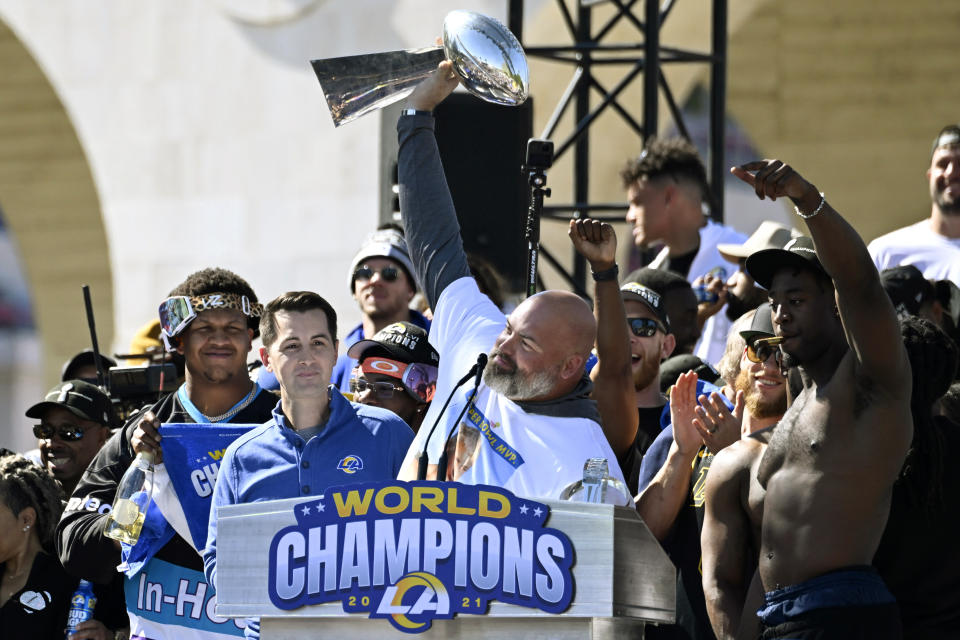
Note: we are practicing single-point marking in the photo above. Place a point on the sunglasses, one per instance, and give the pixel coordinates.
(67, 432)
(383, 390)
(178, 312)
(645, 327)
(762, 349)
(387, 273)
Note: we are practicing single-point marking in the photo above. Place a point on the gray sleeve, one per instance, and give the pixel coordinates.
(429, 220)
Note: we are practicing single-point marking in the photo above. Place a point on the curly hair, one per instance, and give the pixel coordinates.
(933, 360)
(217, 280)
(25, 484)
(214, 280)
(674, 158)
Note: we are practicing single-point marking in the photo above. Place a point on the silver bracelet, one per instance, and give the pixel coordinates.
(807, 216)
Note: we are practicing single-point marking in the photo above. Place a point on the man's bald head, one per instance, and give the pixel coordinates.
(541, 353)
(570, 317)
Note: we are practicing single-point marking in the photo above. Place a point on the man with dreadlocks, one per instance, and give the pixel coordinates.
(916, 556)
(35, 591)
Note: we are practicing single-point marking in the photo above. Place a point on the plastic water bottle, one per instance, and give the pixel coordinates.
(133, 497)
(81, 606)
(597, 486)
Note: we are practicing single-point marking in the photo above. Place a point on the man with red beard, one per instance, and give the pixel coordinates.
(627, 376)
(733, 498)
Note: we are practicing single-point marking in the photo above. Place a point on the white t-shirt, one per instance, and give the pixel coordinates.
(937, 256)
(499, 443)
(713, 338)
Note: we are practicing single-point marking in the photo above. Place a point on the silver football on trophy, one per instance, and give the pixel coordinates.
(487, 57)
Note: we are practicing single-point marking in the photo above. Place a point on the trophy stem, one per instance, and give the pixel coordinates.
(356, 85)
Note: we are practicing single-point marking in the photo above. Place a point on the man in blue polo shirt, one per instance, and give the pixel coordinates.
(317, 438)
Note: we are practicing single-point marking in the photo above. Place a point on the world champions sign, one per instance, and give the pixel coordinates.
(413, 552)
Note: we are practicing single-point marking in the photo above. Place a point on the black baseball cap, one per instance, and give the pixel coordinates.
(672, 367)
(402, 341)
(83, 359)
(907, 288)
(82, 399)
(798, 253)
(649, 297)
(761, 326)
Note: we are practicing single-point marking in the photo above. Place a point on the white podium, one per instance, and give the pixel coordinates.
(622, 580)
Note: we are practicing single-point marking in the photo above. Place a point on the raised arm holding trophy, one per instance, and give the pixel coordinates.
(531, 424)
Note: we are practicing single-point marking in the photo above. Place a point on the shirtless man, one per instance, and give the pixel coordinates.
(733, 497)
(830, 465)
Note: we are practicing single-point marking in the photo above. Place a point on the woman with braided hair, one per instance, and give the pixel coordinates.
(916, 557)
(35, 591)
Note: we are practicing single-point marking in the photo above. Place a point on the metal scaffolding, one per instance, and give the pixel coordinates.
(647, 58)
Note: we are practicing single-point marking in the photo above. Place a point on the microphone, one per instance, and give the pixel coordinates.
(479, 367)
(476, 371)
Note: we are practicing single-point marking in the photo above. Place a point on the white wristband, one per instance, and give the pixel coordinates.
(807, 216)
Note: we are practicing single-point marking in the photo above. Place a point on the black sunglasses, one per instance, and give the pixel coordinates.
(645, 327)
(762, 349)
(67, 432)
(387, 273)
(382, 390)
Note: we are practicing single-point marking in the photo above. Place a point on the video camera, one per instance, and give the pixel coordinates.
(132, 388)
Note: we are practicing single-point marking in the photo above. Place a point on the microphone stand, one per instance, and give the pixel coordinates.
(476, 370)
(442, 463)
(539, 158)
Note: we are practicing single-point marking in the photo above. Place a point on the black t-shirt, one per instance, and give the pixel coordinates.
(682, 544)
(39, 610)
(83, 549)
(647, 431)
(681, 264)
(917, 557)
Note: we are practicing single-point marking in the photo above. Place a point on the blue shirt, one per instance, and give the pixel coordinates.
(358, 443)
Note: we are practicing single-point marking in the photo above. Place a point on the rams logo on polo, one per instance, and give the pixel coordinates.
(350, 465)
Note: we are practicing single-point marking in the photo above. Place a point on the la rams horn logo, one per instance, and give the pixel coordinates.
(350, 464)
(428, 599)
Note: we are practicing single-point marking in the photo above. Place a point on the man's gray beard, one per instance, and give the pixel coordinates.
(517, 386)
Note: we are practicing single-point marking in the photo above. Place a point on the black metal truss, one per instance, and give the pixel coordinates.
(647, 58)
